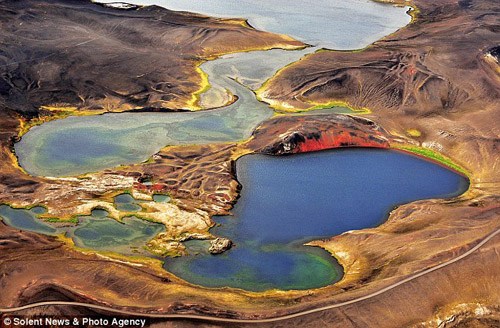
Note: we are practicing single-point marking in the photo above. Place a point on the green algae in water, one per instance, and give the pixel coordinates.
(127, 203)
(105, 234)
(37, 210)
(128, 207)
(161, 198)
(197, 247)
(96, 232)
(283, 267)
(99, 213)
(25, 220)
(124, 199)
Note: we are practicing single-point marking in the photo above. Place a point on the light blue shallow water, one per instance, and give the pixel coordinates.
(333, 24)
(78, 145)
(25, 220)
(82, 144)
(95, 232)
(286, 201)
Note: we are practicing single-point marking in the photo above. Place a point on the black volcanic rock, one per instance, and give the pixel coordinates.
(92, 56)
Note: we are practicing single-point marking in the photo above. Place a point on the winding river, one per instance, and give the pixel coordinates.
(78, 145)
(285, 201)
(82, 144)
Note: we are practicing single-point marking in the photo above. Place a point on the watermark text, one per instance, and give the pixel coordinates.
(13, 321)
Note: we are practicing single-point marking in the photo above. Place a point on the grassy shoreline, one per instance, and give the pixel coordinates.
(433, 156)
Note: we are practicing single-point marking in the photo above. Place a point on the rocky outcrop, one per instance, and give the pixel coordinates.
(219, 245)
(299, 134)
(163, 246)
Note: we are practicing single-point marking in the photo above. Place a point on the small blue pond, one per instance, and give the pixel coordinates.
(286, 201)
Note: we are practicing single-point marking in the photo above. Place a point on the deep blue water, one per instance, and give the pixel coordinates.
(286, 201)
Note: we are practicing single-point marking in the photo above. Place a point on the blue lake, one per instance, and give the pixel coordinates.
(287, 201)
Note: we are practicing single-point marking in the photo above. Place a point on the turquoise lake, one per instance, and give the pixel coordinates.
(94, 232)
(83, 144)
